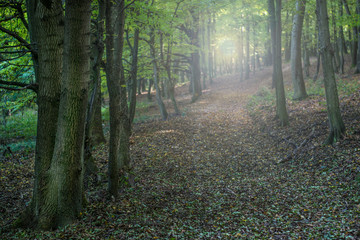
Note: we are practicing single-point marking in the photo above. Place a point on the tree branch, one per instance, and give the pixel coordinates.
(23, 86)
(17, 37)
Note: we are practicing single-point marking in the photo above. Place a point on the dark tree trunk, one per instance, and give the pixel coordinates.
(358, 40)
(337, 127)
(47, 35)
(64, 190)
(296, 66)
(120, 128)
(95, 133)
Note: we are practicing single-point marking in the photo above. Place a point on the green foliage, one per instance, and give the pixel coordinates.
(20, 126)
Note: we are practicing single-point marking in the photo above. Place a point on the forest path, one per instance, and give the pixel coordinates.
(214, 166)
(213, 173)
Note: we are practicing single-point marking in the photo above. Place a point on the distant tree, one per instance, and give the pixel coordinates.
(275, 25)
(337, 127)
(296, 66)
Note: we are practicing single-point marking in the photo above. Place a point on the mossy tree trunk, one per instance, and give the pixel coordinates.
(46, 27)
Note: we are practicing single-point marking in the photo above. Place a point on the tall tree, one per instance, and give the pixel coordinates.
(337, 127)
(47, 35)
(358, 40)
(275, 25)
(296, 66)
(120, 129)
(57, 199)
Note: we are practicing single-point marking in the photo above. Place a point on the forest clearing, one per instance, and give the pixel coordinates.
(181, 119)
(214, 173)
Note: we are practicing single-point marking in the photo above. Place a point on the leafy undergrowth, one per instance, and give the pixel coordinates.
(215, 173)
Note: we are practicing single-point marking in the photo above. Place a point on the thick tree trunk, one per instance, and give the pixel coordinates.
(47, 34)
(64, 189)
(337, 127)
(296, 66)
(275, 24)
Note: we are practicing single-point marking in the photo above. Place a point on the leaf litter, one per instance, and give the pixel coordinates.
(223, 170)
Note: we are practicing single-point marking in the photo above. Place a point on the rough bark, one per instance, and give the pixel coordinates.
(46, 27)
(64, 189)
(296, 66)
(337, 127)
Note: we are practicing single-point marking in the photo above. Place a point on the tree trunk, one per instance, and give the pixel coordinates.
(275, 24)
(46, 34)
(209, 40)
(354, 43)
(164, 114)
(296, 66)
(341, 41)
(96, 133)
(133, 73)
(203, 53)
(120, 129)
(306, 47)
(241, 53)
(195, 58)
(247, 47)
(64, 189)
(358, 41)
(337, 127)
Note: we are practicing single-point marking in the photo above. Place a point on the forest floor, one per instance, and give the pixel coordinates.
(225, 169)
